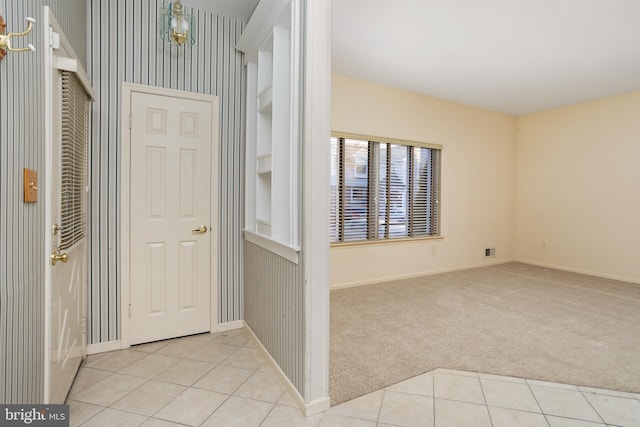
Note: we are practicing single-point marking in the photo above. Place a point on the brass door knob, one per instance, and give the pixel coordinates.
(57, 256)
(201, 230)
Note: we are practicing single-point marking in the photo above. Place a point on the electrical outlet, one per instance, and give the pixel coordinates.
(490, 252)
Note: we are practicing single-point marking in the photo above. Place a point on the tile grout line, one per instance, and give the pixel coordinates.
(433, 392)
(192, 386)
(186, 387)
(96, 414)
(267, 416)
(384, 393)
(465, 374)
(127, 394)
(537, 402)
(182, 358)
(254, 371)
(484, 397)
(593, 407)
(561, 416)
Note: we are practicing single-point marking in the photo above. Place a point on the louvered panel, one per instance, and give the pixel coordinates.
(436, 187)
(422, 189)
(333, 192)
(355, 193)
(73, 164)
(380, 178)
(399, 190)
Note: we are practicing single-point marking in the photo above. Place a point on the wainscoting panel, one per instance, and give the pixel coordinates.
(125, 47)
(22, 226)
(274, 302)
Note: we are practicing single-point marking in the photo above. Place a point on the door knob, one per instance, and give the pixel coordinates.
(57, 256)
(201, 230)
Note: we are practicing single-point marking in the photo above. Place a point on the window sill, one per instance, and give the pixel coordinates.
(384, 241)
(285, 251)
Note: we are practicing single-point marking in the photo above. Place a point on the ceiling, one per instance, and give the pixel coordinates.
(515, 57)
(238, 9)
(512, 56)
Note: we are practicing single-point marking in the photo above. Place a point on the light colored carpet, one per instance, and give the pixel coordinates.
(511, 319)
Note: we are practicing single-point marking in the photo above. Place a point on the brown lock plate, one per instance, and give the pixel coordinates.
(30, 186)
(3, 30)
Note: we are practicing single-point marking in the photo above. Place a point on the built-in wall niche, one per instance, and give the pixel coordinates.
(272, 138)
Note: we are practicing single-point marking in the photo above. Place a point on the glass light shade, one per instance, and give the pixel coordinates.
(176, 23)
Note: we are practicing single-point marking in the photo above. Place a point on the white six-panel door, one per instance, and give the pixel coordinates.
(170, 211)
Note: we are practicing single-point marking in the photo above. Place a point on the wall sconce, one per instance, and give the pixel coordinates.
(5, 39)
(176, 24)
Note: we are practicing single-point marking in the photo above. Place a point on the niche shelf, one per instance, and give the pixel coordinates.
(271, 209)
(265, 100)
(263, 164)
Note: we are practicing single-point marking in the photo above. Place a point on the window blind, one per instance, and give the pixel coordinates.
(73, 160)
(383, 190)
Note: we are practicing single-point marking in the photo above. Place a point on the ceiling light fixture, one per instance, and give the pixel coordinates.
(176, 24)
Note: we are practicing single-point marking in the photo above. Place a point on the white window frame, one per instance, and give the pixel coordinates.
(372, 234)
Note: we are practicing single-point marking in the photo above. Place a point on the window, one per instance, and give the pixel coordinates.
(360, 169)
(74, 133)
(383, 190)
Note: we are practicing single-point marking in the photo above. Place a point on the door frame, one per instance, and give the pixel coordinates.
(125, 175)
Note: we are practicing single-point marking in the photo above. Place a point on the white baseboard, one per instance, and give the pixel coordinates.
(307, 409)
(317, 406)
(103, 347)
(420, 274)
(228, 326)
(580, 271)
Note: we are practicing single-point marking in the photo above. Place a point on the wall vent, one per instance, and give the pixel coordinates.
(490, 252)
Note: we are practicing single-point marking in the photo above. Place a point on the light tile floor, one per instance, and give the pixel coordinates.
(224, 380)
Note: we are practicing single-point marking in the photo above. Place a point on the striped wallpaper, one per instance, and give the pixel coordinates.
(117, 43)
(274, 308)
(125, 47)
(22, 227)
(274, 286)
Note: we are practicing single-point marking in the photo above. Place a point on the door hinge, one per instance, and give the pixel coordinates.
(130, 122)
(54, 39)
(129, 311)
(84, 337)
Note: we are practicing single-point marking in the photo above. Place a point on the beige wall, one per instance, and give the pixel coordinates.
(578, 188)
(478, 180)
